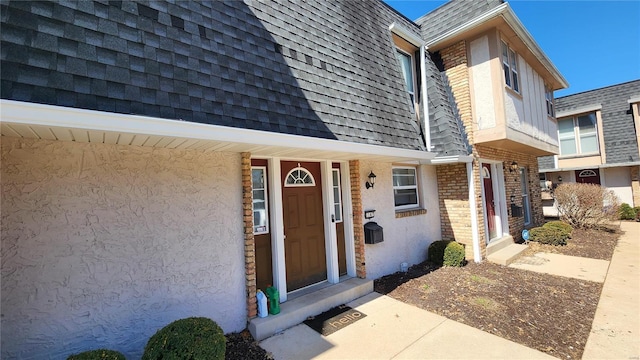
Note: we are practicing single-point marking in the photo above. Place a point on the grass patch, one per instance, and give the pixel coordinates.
(485, 303)
(481, 279)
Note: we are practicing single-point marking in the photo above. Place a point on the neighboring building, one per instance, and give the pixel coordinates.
(503, 84)
(599, 133)
(164, 160)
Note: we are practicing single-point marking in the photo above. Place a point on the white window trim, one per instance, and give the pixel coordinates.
(266, 199)
(408, 206)
(338, 201)
(576, 136)
(526, 204)
(510, 82)
(413, 77)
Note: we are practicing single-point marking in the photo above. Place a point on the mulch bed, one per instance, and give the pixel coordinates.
(550, 313)
(242, 346)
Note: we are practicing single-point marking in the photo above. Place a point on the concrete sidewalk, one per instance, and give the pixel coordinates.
(395, 330)
(615, 333)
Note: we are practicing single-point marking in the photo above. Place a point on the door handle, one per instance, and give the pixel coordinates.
(333, 218)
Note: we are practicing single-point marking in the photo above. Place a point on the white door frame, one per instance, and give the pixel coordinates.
(331, 239)
(499, 197)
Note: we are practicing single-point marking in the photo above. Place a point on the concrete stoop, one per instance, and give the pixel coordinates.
(504, 251)
(295, 311)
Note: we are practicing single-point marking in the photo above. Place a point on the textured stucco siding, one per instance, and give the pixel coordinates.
(482, 83)
(102, 245)
(405, 239)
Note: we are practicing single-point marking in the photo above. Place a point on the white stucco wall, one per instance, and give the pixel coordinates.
(484, 111)
(618, 180)
(102, 245)
(405, 239)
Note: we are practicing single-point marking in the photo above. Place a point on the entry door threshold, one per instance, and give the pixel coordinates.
(296, 310)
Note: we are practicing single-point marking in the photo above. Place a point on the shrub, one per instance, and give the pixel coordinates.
(190, 338)
(446, 252)
(560, 226)
(626, 212)
(100, 354)
(586, 205)
(453, 254)
(548, 235)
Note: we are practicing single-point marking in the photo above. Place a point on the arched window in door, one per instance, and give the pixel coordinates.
(299, 176)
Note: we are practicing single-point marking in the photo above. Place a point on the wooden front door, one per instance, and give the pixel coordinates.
(489, 201)
(305, 254)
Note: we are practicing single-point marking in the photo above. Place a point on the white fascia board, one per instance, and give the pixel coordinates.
(452, 159)
(510, 17)
(601, 166)
(406, 34)
(58, 116)
(580, 110)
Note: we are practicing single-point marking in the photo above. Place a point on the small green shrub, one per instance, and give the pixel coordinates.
(563, 227)
(626, 212)
(190, 338)
(454, 254)
(446, 252)
(548, 235)
(100, 354)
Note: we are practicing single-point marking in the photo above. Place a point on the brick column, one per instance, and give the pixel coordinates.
(249, 242)
(358, 227)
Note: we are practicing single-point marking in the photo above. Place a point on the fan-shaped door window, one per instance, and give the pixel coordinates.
(587, 173)
(299, 176)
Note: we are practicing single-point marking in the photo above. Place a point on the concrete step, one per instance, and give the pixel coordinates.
(507, 255)
(295, 311)
(499, 244)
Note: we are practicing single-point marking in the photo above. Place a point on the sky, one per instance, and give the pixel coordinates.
(592, 43)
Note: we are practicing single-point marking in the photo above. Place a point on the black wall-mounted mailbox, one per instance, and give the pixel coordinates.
(372, 233)
(516, 211)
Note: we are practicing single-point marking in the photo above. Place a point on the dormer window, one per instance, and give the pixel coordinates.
(510, 67)
(407, 64)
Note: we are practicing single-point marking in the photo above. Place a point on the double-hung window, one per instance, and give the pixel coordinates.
(548, 96)
(510, 67)
(406, 63)
(405, 188)
(578, 135)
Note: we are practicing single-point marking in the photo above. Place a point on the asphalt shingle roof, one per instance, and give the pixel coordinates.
(451, 15)
(618, 127)
(320, 69)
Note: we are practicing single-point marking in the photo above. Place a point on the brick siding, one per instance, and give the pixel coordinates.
(249, 242)
(635, 185)
(358, 227)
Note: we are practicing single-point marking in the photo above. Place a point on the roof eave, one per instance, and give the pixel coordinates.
(512, 20)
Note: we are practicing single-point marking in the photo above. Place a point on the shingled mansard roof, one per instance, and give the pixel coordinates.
(620, 141)
(319, 69)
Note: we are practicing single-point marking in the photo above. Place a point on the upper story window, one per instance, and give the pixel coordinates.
(548, 95)
(510, 67)
(578, 135)
(407, 64)
(405, 188)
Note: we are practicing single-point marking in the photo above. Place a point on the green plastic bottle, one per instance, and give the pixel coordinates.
(274, 300)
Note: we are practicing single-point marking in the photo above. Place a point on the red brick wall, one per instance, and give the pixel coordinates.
(358, 227)
(249, 243)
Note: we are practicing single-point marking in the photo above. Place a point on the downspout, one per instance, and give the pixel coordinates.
(425, 98)
(477, 257)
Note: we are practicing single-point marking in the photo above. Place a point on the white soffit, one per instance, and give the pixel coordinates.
(406, 34)
(30, 120)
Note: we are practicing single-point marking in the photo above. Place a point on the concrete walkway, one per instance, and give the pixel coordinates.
(615, 333)
(395, 330)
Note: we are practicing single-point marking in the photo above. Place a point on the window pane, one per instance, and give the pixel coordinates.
(336, 209)
(567, 146)
(257, 178)
(587, 124)
(404, 177)
(516, 87)
(512, 56)
(505, 53)
(406, 197)
(507, 75)
(407, 71)
(565, 127)
(588, 144)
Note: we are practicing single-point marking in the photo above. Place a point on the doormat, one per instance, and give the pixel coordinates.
(334, 319)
